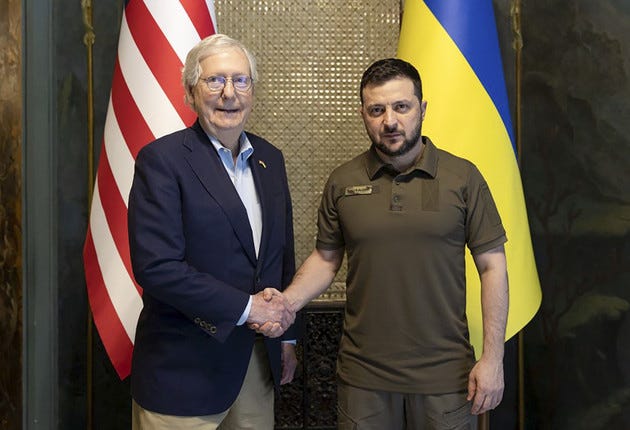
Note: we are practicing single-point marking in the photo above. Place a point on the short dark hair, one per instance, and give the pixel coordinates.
(387, 69)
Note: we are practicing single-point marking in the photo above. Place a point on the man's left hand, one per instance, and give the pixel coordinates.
(485, 385)
(289, 362)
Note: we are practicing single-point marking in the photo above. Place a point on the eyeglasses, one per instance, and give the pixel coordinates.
(241, 83)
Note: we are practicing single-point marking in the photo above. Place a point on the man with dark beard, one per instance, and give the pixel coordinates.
(404, 211)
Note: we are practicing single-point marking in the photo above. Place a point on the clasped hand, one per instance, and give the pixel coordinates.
(271, 313)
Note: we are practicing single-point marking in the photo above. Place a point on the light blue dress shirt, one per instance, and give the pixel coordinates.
(241, 175)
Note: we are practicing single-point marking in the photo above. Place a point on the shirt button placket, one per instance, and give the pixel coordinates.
(396, 198)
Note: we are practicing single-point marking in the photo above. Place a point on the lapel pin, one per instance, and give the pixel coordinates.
(262, 163)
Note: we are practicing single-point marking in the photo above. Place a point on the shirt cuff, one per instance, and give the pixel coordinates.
(245, 314)
(291, 341)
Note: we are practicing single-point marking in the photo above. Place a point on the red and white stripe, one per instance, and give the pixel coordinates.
(146, 102)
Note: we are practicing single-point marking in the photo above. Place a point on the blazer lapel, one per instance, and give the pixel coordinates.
(207, 166)
(261, 173)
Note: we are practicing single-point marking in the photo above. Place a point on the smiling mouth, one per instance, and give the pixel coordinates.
(229, 110)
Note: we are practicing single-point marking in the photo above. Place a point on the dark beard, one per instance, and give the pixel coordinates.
(407, 146)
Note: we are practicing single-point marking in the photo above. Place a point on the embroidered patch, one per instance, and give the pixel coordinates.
(357, 190)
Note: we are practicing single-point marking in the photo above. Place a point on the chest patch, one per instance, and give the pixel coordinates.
(360, 190)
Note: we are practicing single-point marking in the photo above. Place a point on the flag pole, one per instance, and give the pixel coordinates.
(484, 421)
(88, 41)
(517, 44)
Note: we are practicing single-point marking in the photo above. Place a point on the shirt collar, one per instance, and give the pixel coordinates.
(245, 147)
(427, 162)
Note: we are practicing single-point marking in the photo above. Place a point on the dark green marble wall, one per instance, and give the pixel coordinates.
(577, 181)
(110, 396)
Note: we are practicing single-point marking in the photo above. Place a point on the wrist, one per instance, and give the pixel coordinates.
(292, 298)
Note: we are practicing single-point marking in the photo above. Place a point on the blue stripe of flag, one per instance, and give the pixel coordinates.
(471, 24)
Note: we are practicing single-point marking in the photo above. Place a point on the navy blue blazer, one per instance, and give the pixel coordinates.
(193, 254)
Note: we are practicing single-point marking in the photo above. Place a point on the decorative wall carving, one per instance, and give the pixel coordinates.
(310, 401)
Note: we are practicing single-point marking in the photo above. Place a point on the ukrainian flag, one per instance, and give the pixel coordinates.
(454, 45)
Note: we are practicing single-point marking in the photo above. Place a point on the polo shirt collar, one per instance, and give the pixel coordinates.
(427, 163)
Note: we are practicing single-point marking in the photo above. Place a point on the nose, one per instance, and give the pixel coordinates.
(228, 89)
(389, 119)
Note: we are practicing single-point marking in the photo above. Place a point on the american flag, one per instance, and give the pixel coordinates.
(146, 102)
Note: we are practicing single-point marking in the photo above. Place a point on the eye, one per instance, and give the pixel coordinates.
(242, 83)
(215, 83)
(241, 80)
(375, 110)
(215, 80)
(402, 107)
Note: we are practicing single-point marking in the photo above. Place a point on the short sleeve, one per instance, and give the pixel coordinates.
(329, 233)
(484, 229)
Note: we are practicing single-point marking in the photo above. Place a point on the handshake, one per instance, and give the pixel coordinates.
(271, 313)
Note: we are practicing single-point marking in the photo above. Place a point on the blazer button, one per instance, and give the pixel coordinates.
(213, 329)
(197, 320)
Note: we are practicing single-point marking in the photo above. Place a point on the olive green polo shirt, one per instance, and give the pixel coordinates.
(405, 234)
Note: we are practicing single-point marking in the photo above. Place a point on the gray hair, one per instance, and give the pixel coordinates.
(212, 45)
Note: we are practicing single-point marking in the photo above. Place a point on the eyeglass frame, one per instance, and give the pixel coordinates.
(224, 80)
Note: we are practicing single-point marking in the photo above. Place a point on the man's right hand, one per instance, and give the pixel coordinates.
(270, 306)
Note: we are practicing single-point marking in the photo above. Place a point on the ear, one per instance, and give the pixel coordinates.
(189, 98)
(423, 109)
